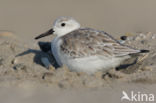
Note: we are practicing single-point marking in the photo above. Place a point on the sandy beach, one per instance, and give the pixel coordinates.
(23, 78)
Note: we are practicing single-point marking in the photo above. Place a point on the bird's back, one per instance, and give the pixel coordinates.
(86, 42)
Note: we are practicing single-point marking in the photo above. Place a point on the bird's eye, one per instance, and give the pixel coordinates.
(63, 24)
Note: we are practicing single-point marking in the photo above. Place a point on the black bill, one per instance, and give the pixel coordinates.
(49, 32)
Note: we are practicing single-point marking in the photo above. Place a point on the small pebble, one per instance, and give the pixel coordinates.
(144, 41)
(154, 36)
(47, 75)
(137, 38)
(20, 67)
(123, 37)
(14, 61)
(142, 35)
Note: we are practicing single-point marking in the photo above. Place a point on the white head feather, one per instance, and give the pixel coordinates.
(64, 25)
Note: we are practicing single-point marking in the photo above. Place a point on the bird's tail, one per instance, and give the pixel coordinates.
(144, 51)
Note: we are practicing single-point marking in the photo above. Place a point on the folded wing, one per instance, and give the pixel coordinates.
(89, 42)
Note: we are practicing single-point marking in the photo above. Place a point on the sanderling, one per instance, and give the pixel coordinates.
(85, 49)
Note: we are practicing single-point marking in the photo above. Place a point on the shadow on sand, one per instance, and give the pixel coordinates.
(44, 52)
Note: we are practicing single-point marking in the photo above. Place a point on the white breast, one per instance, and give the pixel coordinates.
(55, 46)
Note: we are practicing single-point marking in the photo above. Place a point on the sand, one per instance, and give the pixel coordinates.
(23, 75)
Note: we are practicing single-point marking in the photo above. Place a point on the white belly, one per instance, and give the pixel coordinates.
(92, 64)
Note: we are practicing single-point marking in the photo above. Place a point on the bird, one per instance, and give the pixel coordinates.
(84, 49)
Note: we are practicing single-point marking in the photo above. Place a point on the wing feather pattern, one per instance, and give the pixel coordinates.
(89, 42)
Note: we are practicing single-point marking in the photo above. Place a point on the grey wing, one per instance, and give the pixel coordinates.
(122, 50)
(88, 42)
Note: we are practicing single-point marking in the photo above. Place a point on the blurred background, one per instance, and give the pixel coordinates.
(28, 18)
